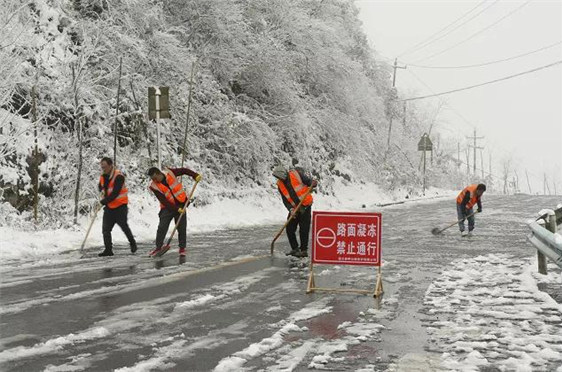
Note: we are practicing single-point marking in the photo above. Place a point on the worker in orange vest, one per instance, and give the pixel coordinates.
(169, 191)
(466, 200)
(115, 199)
(293, 185)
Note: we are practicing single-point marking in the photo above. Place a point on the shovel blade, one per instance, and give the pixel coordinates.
(435, 231)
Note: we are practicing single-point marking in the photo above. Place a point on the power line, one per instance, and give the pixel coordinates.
(428, 40)
(456, 112)
(444, 102)
(485, 83)
(476, 33)
(491, 62)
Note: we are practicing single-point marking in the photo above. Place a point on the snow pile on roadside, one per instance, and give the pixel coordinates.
(487, 312)
(53, 344)
(253, 208)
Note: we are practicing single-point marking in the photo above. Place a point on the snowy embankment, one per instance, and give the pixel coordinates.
(488, 312)
(253, 208)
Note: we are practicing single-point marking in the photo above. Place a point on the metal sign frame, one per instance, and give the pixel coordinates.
(425, 143)
(162, 107)
(325, 238)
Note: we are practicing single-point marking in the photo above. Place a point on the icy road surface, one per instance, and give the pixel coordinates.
(450, 303)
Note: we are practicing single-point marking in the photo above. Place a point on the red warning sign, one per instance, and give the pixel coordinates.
(346, 238)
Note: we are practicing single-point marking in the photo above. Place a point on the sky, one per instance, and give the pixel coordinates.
(520, 118)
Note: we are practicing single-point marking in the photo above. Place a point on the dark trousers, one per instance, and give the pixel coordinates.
(461, 215)
(302, 220)
(110, 218)
(166, 216)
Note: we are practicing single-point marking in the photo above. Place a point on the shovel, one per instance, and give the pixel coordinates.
(295, 211)
(437, 231)
(98, 207)
(166, 247)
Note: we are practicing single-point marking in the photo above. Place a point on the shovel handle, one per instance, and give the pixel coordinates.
(456, 222)
(293, 214)
(181, 215)
(98, 207)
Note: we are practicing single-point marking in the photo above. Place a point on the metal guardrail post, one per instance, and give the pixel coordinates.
(545, 239)
(542, 262)
(550, 226)
(541, 258)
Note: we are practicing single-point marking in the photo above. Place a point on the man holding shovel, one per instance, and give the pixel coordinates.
(114, 192)
(293, 185)
(467, 198)
(173, 199)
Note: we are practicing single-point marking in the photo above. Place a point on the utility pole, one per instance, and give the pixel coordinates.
(528, 183)
(117, 115)
(35, 156)
(546, 187)
(458, 156)
(394, 74)
(157, 95)
(475, 147)
(393, 86)
(424, 185)
(482, 163)
(467, 164)
(459, 162)
(183, 151)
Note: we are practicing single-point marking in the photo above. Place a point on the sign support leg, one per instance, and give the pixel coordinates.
(378, 286)
(311, 285)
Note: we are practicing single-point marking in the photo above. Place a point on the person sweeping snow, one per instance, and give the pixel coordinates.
(115, 200)
(466, 200)
(294, 186)
(173, 199)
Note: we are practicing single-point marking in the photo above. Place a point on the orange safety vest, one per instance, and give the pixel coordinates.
(299, 187)
(122, 198)
(173, 192)
(473, 197)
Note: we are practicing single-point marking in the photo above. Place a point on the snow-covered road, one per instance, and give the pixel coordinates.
(450, 303)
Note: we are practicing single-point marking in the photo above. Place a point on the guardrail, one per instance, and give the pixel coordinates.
(545, 238)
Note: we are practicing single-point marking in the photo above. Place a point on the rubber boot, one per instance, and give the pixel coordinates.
(303, 253)
(105, 253)
(293, 252)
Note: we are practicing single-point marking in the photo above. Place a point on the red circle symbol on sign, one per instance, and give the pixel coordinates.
(326, 237)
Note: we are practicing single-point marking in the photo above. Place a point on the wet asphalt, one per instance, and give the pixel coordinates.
(138, 299)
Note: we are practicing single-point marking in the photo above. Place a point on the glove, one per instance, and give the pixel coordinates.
(479, 210)
(181, 210)
(103, 202)
(198, 178)
(314, 184)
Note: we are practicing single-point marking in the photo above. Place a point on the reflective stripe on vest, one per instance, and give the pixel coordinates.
(173, 192)
(122, 198)
(299, 187)
(473, 197)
